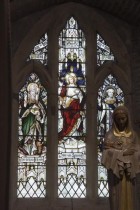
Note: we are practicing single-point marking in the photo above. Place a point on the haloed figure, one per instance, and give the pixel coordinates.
(32, 115)
(70, 101)
(121, 157)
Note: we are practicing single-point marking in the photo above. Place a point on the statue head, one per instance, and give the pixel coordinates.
(121, 120)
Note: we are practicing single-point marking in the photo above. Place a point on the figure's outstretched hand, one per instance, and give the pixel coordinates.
(128, 152)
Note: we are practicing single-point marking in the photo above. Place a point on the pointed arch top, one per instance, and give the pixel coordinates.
(96, 19)
(112, 68)
(72, 42)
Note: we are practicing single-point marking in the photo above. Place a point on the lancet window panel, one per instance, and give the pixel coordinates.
(72, 112)
(40, 51)
(32, 139)
(110, 95)
(104, 52)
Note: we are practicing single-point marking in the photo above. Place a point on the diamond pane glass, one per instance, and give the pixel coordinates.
(32, 133)
(71, 112)
(110, 96)
(40, 51)
(103, 51)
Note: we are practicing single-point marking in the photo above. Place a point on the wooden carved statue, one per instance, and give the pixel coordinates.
(121, 158)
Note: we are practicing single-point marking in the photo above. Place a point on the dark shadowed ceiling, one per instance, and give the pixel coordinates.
(127, 10)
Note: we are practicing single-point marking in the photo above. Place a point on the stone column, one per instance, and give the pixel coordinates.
(5, 97)
(136, 93)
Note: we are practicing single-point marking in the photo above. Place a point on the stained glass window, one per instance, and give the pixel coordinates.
(110, 96)
(103, 51)
(32, 139)
(40, 51)
(71, 112)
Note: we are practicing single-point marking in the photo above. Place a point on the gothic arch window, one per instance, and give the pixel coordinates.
(110, 95)
(71, 117)
(66, 85)
(32, 139)
(72, 112)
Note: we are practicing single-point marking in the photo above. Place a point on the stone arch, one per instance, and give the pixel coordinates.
(122, 78)
(89, 19)
(112, 68)
(32, 66)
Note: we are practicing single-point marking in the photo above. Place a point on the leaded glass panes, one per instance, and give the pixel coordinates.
(103, 51)
(71, 112)
(110, 96)
(32, 132)
(40, 51)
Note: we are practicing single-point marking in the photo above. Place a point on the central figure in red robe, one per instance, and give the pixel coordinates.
(70, 101)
